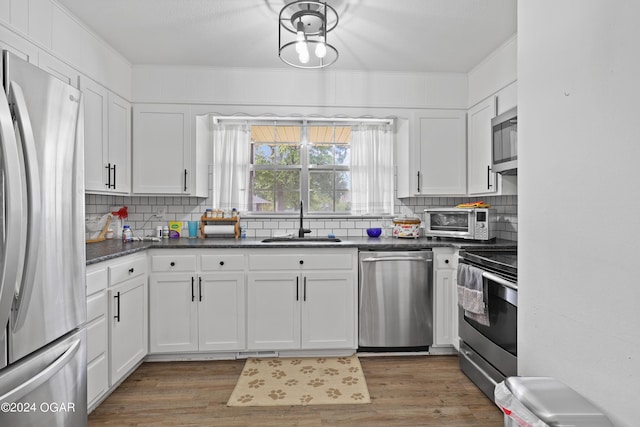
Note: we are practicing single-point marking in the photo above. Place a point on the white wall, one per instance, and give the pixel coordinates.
(292, 87)
(579, 196)
(495, 72)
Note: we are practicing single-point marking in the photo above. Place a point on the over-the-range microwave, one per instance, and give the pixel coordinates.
(504, 142)
(461, 223)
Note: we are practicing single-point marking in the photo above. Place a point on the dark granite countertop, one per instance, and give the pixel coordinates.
(109, 249)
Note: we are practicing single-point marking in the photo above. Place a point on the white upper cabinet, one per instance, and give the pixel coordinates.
(107, 139)
(164, 151)
(481, 178)
(161, 147)
(18, 46)
(59, 69)
(432, 161)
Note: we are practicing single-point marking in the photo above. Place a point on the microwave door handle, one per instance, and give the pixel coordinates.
(13, 230)
(23, 296)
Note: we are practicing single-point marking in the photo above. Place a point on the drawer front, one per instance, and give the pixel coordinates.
(96, 339)
(126, 270)
(173, 263)
(221, 262)
(97, 280)
(97, 378)
(96, 306)
(303, 261)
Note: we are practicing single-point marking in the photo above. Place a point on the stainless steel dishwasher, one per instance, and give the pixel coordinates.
(395, 300)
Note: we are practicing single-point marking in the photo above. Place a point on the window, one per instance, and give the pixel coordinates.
(290, 163)
(332, 166)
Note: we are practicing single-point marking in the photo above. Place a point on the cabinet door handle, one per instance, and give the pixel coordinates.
(301, 261)
(117, 298)
(185, 180)
(221, 262)
(418, 181)
(200, 288)
(193, 294)
(489, 185)
(446, 261)
(114, 176)
(304, 289)
(297, 289)
(108, 168)
(172, 264)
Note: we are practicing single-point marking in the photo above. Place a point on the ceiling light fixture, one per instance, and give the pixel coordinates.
(309, 21)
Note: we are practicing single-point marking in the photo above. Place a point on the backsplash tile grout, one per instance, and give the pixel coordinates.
(142, 208)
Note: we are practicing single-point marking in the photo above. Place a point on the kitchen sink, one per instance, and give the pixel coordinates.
(300, 239)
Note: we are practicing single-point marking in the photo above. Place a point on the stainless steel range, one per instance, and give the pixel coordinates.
(489, 353)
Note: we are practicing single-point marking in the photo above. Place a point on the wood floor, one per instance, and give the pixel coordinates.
(405, 391)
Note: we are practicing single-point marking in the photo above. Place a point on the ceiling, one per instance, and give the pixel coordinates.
(372, 35)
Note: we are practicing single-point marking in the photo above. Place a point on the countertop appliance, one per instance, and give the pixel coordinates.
(504, 142)
(461, 223)
(42, 287)
(396, 300)
(489, 353)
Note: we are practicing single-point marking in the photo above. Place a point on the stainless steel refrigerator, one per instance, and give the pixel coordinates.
(42, 253)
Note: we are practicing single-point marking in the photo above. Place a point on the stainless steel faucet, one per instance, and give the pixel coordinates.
(302, 231)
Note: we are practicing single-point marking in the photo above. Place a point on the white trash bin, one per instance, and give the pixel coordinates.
(545, 402)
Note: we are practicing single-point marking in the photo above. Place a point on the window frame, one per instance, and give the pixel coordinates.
(305, 168)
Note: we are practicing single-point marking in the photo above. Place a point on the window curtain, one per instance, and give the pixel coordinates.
(231, 157)
(372, 169)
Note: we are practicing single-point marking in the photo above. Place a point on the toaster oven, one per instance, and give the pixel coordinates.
(461, 223)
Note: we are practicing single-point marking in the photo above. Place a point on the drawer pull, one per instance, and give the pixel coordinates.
(221, 262)
(173, 264)
(446, 261)
(301, 262)
(131, 270)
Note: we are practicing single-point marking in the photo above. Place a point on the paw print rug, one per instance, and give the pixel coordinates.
(300, 381)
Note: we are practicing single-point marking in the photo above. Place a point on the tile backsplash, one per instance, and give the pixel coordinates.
(142, 209)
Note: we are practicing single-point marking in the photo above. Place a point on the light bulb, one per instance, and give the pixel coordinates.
(321, 48)
(304, 56)
(301, 46)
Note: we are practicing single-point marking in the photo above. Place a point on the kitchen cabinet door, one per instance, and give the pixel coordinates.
(119, 140)
(273, 311)
(128, 326)
(328, 310)
(221, 313)
(438, 153)
(482, 179)
(161, 149)
(173, 313)
(107, 141)
(96, 149)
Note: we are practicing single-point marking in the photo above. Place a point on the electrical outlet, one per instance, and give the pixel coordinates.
(160, 211)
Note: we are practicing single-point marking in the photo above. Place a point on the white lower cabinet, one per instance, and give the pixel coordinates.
(128, 324)
(97, 334)
(445, 319)
(302, 300)
(197, 302)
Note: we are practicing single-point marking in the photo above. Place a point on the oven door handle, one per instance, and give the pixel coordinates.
(499, 280)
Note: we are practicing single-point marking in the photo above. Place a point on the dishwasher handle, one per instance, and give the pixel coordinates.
(396, 258)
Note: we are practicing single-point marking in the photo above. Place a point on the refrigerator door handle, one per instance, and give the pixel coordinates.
(34, 211)
(43, 376)
(10, 156)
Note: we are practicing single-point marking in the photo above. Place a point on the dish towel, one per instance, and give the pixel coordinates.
(471, 293)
